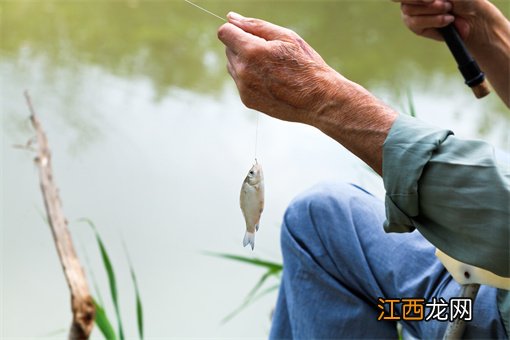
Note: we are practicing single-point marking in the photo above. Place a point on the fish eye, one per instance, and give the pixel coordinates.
(251, 172)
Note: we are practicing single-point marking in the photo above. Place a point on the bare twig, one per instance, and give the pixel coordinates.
(27, 146)
(81, 301)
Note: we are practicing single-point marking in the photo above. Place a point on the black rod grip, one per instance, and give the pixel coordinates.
(466, 63)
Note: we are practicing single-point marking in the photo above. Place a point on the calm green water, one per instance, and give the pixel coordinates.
(151, 141)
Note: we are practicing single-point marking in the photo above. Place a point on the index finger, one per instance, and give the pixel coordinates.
(260, 28)
(236, 39)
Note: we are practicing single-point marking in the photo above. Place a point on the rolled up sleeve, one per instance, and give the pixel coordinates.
(451, 190)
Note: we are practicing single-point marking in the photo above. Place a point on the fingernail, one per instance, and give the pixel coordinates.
(449, 19)
(448, 6)
(235, 16)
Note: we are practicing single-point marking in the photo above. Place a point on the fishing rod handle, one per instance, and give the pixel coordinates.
(468, 67)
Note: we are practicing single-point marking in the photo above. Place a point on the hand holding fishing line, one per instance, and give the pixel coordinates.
(276, 71)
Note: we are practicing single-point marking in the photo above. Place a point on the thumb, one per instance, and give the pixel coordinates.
(260, 28)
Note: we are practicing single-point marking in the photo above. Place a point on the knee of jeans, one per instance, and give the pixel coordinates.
(311, 216)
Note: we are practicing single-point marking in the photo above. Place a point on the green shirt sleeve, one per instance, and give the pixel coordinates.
(451, 190)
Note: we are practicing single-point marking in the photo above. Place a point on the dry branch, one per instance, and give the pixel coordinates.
(81, 302)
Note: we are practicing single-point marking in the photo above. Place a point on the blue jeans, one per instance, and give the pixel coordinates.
(338, 261)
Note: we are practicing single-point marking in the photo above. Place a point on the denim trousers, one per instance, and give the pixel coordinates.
(338, 261)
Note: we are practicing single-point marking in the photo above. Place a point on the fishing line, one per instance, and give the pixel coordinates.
(252, 190)
(203, 9)
(258, 113)
(256, 136)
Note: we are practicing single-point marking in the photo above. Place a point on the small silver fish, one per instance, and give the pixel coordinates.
(252, 202)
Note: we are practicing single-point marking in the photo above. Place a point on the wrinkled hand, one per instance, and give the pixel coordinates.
(276, 71)
(423, 17)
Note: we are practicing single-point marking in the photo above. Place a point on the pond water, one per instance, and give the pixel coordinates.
(151, 142)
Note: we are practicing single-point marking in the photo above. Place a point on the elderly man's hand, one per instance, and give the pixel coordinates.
(279, 74)
(276, 71)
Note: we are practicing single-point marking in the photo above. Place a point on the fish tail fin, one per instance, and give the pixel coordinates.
(249, 238)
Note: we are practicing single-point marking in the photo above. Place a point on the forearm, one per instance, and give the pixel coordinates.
(492, 50)
(357, 120)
